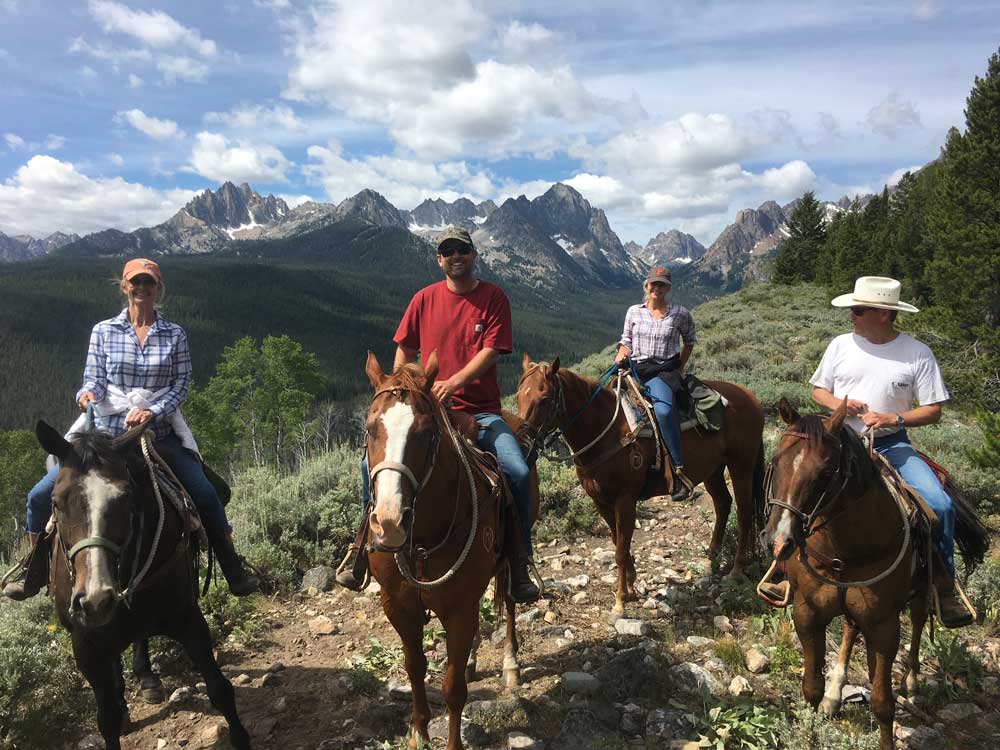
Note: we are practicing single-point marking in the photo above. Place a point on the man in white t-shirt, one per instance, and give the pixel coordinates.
(891, 382)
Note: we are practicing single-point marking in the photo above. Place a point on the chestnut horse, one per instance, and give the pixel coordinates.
(123, 568)
(860, 559)
(617, 476)
(436, 529)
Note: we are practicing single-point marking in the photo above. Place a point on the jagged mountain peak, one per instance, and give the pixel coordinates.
(370, 206)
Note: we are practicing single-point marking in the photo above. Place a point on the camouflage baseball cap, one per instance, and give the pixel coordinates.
(454, 233)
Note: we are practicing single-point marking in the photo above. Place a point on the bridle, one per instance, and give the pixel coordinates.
(405, 471)
(408, 550)
(845, 469)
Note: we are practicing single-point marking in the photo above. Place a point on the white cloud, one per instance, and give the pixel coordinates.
(88, 72)
(893, 115)
(295, 200)
(256, 116)
(788, 181)
(521, 40)
(75, 202)
(893, 179)
(54, 142)
(602, 191)
(116, 159)
(408, 65)
(925, 10)
(115, 57)
(213, 157)
(134, 81)
(181, 68)
(404, 182)
(15, 142)
(10, 6)
(155, 28)
(274, 5)
(155, 128)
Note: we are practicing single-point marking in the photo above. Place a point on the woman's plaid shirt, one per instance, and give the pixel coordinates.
(649, 338)
(115, 358)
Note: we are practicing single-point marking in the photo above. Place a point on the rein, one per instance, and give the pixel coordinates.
(806, 521)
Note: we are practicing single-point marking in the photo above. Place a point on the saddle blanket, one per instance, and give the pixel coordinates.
(700, 406)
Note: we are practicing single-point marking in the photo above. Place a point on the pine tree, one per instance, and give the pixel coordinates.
(964, 229)
(796, 259)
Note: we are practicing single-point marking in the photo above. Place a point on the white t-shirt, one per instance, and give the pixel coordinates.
(888, 377)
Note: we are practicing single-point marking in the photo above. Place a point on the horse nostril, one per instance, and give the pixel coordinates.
(376, 526)
(76, 603)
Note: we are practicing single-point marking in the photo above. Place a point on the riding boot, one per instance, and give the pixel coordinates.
(522, 589)
(36, 572)
(683, 487)
(952, 607)
(240, 581)
(353, 571)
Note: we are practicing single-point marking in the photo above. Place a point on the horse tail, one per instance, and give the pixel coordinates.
(501, 587)
(759, 498)
(971, 536)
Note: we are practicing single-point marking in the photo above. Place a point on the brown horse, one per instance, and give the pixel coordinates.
(123, 568)
(618, 476)
(437, 527)
(826, 489)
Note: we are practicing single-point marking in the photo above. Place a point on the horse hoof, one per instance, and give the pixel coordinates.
(512, 678)
(830, 707)
(153, 694)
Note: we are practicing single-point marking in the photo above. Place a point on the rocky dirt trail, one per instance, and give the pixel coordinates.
(313, 678)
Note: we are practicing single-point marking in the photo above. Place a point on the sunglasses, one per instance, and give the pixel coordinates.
(448, 250)
(857, 312)
(142, 281)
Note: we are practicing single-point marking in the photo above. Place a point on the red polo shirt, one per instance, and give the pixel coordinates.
(459, 326)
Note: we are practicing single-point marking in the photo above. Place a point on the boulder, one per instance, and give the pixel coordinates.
(632, 627)
(320, 578)
(757, 661)
(323, 625)
(579, 683)
(693, 678)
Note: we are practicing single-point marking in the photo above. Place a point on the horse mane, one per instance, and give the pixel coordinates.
(813, 427)
(409, 377)
(95, 448)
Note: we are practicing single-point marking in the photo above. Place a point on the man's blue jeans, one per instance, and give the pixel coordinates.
(185, 465)
(666, 418)
(497, 438)
(901, 454)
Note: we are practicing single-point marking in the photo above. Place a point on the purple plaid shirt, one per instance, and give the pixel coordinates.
(115, 358)
(649, 338)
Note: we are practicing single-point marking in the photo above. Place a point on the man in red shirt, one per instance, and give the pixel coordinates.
(467, 321)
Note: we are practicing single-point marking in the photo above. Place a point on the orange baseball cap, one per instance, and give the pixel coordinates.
(138, 266)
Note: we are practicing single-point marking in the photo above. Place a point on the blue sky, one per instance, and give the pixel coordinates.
(665, 114)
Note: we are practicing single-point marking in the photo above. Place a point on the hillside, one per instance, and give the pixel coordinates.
(342, 301)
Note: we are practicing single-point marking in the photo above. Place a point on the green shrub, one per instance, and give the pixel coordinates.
(565, 508)
(41, 692)
(287, 523)
(812, 730)
(741, 724)
(984, 589)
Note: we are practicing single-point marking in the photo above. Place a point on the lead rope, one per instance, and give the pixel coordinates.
(403, 564)
(134, 583)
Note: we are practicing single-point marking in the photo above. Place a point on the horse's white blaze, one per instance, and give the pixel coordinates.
(784, 530)
(99, 492)
(795, 466)
(397, 421)
(835, 682)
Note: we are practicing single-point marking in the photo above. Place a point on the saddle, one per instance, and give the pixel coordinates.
(697, 405)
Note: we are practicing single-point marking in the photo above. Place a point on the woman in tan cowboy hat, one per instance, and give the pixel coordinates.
(658, 337)
(892, 382)
(138, 370)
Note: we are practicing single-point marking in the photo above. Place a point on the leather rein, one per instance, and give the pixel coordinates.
(840, 478)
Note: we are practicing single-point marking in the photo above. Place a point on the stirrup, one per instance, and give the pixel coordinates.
(960, 596)
(348, 563)
(776, 594)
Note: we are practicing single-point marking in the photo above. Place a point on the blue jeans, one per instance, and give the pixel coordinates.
(184, 464)
(666, 417)
(497, 438)
(901, 454)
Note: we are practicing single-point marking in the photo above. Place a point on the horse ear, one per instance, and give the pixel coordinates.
(788, 413)
(52, 441)
(526, 362)
(374, 371)
(431, 369)
(836, 420)
(555, 366)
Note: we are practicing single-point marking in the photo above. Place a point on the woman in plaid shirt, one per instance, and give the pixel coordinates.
(138, 370)
(658, 337)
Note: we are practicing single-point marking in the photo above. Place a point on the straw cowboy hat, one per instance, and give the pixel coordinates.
(874, 291)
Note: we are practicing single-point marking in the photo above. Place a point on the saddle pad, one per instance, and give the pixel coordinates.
(635, 412)
(916, 505)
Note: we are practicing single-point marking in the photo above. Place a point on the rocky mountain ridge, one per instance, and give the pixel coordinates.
(26, 247)
(668, 248)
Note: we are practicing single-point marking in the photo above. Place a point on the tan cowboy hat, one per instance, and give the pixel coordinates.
(874, 291)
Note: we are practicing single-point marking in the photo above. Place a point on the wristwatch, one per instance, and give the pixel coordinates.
(900, 422)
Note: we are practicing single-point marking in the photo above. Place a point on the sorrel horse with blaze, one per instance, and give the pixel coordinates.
(857, 557)
(106, 518)
(436, 529)
(616, 477)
